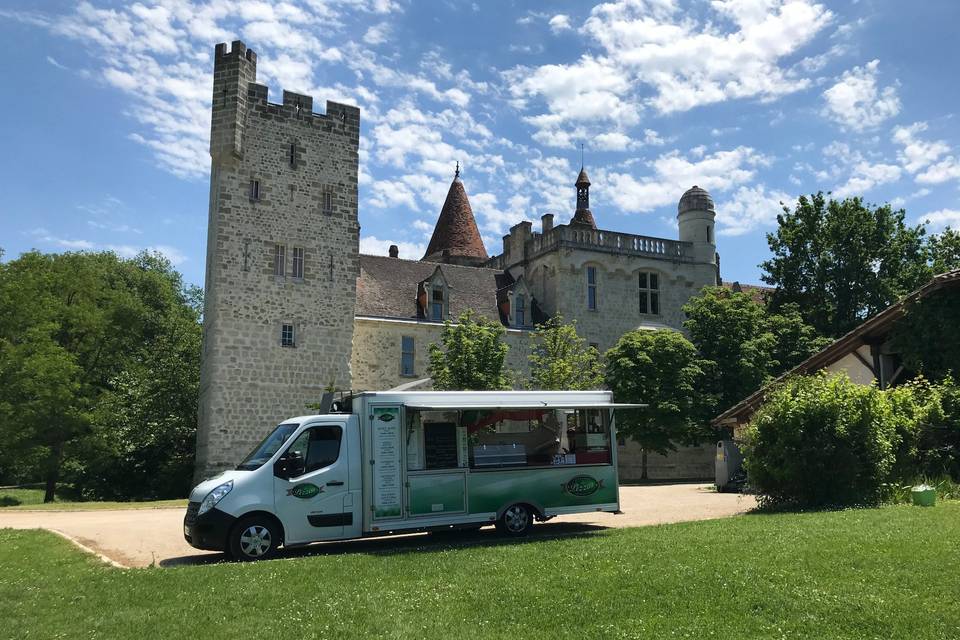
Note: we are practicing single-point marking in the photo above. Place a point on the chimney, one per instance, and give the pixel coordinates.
(394, 251)
(546, 222)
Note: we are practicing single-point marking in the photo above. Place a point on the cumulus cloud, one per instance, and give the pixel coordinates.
(748, 209)
(857, 103)
(672, 173)
(926, 159)
(938, 220)
(559, 23)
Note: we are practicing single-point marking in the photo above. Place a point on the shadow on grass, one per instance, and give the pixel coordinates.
(411, 543)
(9, 501)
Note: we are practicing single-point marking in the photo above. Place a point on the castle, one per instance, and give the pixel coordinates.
(293, 308)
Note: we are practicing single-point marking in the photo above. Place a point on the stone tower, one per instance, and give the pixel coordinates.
(282, 259)
(695, 217)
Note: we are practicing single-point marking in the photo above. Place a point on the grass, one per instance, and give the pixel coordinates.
(891, 572)
(32, 499)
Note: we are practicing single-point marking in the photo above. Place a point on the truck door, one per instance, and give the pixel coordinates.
(311, 485)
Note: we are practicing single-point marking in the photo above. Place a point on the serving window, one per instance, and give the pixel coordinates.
(507, 438)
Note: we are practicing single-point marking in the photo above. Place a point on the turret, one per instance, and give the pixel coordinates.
(695, 215)
(233, 72)
(583, 217)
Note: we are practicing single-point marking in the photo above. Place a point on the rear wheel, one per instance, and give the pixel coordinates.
(254, 538)
(516, 520)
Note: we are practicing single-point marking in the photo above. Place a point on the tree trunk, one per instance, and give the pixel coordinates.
(53, 471)
(643, 465)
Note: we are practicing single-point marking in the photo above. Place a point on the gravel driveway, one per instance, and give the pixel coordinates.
(140, 537)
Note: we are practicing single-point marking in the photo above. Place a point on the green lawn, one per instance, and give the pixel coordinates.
(881, 573)
(32, 499)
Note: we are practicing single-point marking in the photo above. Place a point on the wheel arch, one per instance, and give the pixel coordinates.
(263, 514)
(535, 506)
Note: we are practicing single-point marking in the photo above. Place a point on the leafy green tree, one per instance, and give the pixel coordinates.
(943, 251)
(663, 370)
(75, 328)
(842, 261)
(561, 360)
(470, 356)
(745, 343)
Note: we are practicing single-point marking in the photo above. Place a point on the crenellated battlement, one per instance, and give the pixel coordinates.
(237, 50)
(299, 106)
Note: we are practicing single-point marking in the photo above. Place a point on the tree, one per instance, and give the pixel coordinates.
(943, 251)
(663, 370)
(471, 357)
(745, 343)
(560, 359)
(75, 329)
(926, 337)
(842, 261)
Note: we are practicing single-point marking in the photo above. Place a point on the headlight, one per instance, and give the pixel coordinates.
(214, 497)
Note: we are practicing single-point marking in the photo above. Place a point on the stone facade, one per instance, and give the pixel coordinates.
(283, 182)
(292, 308)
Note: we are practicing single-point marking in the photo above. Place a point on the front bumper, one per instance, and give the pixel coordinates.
(208, 531)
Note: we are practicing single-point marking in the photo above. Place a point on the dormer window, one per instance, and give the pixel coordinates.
(520, 310)
(436, 304)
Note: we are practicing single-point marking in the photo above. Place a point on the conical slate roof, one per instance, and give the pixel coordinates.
(456, 237)
(582, 178)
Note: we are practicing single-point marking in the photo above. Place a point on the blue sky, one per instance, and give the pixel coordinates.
(105, 112)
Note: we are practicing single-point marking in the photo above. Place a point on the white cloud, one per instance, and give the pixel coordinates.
(937, 220)
(672, 174)
(856, 103)
(559, 23)
(925, 158)
(374, 246)
(865, 176)
(377, 34)
(749, 208)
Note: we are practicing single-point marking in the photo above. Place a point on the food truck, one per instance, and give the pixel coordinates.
(397, 462)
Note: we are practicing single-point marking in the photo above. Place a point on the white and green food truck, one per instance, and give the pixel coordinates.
(397, 462)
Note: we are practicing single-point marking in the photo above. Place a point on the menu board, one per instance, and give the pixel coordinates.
(387, 490)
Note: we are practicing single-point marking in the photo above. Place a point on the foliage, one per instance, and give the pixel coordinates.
(822, 441)
(943, 251)
(866, 573)
(842, 261)
(746, 343)
(928, 427)
(561, 360)
(927, 336)
(471, 357)
(79, 332)
(663, 370)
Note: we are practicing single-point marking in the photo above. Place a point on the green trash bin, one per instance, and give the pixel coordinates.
(924, 495)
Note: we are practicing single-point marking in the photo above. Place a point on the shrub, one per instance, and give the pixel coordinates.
(823, 441)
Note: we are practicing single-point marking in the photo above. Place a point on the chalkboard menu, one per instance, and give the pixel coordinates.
(440, 445)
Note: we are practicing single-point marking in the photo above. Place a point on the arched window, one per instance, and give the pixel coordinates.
(649, 282)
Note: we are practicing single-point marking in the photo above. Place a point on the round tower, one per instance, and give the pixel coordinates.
(695, 215)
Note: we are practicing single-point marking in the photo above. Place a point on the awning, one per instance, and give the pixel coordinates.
(524, 405)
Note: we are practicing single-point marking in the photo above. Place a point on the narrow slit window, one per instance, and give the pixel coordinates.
(592, 288)
(279, 260)
(254, 189)
(297, 263)
(328, 201)
(293, 155)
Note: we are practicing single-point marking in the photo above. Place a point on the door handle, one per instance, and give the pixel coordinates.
(335, 483)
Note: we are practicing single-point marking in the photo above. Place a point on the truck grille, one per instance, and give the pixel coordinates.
(191, 517)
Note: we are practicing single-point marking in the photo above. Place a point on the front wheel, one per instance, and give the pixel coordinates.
(254, 538)
(516, 520)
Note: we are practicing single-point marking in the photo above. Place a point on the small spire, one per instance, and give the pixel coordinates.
(456, 172)
(581, 156)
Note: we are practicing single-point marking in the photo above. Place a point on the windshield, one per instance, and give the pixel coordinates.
(270, 445)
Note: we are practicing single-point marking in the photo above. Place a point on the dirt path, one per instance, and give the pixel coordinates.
(140, 537)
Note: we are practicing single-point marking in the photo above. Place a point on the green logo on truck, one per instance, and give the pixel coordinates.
(304, 491)
(386, 417)
(581, 486)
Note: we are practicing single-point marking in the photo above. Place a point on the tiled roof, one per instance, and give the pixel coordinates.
(757, 292)
(456, 231)
(872, 329)
(387, 287)
(584, 218)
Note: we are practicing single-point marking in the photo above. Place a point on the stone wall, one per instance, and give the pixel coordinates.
(376, 352)
(686, 463)
(249, 381)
